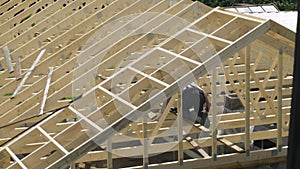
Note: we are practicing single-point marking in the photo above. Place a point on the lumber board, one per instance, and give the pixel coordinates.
(231, 145)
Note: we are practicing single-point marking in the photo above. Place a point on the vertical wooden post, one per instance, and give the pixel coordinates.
(1, 67)
(247, 98)
(279, 100)
(4, 159)
(214, 113)
(72, 166)
(180, 129)
(8, 59)
(18, 68)
(109, 154)
(145, 143)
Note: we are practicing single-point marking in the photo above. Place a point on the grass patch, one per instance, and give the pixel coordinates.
(27, 17)
(111, 68)
(8, 94)
(69, 98)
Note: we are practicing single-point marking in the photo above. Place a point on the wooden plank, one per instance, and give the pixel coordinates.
(47, 152)
(145, 143)
(8, 59)
(180, 129)
(86, 119)
(161, 119)
(247, 99)
(236, 29)
(231, 80)
(109, 154)
(18, 68)
(283, 31)
(75, 135)
(266, 79)
(167, 52)
(28, 73)
(197, 147)
(242, 16)
(213, 22)
(52, 140)
(46, 91)
(27, 133)
(261, 89)
(214, 113)
(160, 83)
(231, 145)
(237, 123)
(279, 98)
(54, 125)
(269, 87)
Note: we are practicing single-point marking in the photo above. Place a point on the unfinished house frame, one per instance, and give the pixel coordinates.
(71, 97)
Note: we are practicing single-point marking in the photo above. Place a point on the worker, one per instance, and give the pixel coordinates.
(194, 99)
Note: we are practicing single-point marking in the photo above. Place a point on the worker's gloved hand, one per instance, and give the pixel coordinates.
(173, 110)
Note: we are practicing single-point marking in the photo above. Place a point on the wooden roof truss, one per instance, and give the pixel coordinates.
(79, 116)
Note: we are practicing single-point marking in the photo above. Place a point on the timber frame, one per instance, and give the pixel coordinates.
(56, 113)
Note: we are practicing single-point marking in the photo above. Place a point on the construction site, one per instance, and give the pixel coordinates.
(94, 84)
